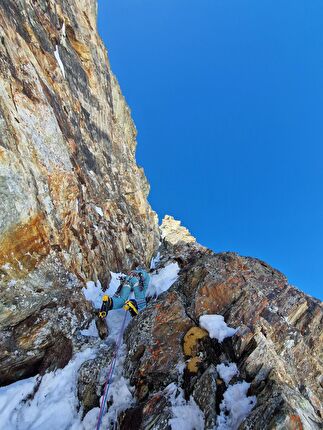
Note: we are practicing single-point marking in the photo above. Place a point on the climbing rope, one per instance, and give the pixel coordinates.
(110, 374)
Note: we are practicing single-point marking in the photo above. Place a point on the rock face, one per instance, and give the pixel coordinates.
(74, 206)
(72, 199)
(277, 347)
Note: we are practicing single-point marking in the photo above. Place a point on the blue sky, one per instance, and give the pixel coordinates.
(227, 97)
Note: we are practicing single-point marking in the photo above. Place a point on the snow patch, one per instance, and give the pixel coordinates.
(99, 211)
(155, 261)
(186, 415)
(59, 61)
(163, 280)
(54, 406)
(235, 406)
(12, 283)
(217, 327)
(91, 331)
(63, 30)
(227, 371)
(93, 293)
(290, 343)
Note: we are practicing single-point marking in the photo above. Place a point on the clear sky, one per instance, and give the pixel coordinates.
(227, 97)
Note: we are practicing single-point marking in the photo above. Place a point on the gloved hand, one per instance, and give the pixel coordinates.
(107, 304)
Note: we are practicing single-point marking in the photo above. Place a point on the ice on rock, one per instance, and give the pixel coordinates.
(59, 61)
(155, 261)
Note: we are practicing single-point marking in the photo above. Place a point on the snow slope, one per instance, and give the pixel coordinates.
(51, 403)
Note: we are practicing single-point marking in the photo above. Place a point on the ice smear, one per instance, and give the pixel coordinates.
(227, 371)
(155, 261)
(59, 61)
(163, 280)
(53, 406)
(235, 406)
(186, 414)
(216, 327)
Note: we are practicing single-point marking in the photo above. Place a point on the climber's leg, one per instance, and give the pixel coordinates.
(140, 296)
(120, 298)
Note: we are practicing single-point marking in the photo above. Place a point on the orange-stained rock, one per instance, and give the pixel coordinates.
(277, 347)
(162, 334)
(25, 245)
(214, 298)
(73, 201)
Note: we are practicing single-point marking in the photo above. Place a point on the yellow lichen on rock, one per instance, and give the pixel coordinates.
(191, 340)
(193, 364)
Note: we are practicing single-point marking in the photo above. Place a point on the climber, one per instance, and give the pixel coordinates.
(137, 281)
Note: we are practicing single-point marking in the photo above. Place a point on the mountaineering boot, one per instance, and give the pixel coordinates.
(107, 304)
(131, 306)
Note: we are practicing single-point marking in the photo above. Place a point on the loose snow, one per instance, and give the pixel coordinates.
(186, 414)
(163, 280)
(235, 406)
(59, 61)
(227, 371)
(216, 327)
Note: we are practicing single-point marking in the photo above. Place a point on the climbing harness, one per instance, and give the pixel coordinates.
(110, 374)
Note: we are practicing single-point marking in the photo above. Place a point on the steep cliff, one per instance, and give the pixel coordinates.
(73, 202)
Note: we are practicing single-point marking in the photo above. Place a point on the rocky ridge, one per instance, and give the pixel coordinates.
(277, 347)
